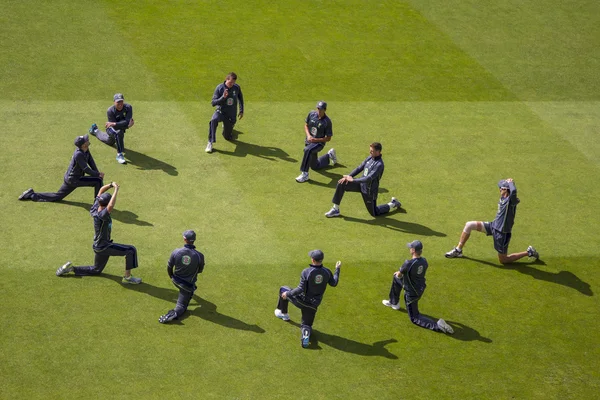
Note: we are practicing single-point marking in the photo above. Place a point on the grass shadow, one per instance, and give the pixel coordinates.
(565, 278)
(206, 310)
(396, 225)
(127, 217)
(244, 149)
(349, 345)
(334, 177)
(145, 162)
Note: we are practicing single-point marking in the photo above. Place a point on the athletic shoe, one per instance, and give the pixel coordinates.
(305, 338)
(303, 177)
(280, 315)
(445, 327)
(388, 304)
(132, 280)
(332, 156)
(531, 252)
(121, 158)
(65, 269)
(396, 203)
(334, 212)
(170, 316)
(454, 253)
(26, 195)
(208, 147)
(93, 129)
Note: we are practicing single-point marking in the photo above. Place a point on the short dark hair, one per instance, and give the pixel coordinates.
(232, 75)
(377, 146)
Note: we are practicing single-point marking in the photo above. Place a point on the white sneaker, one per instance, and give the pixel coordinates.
(334, 212)
(454, 253)
(280, 315)
(332, 156)
(303, 177)
(443, 325)
(208, 147)
(388, 304)
(121, 158)
(65, 269)
(396, 203)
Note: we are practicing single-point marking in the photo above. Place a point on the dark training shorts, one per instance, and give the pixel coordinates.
(501, 239)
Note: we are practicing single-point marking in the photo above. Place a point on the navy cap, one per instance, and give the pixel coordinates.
(119, 97)
(81, 140)
(104, 199)
(322, 105)
(189, 235)
(316, 255)
(415, 244)
(503, 184)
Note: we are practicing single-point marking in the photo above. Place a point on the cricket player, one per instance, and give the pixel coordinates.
(411, 278)
(82, 163)
(226, 98)
(183, 268)
(103, 245)
(309, 293)
(500, 228)
(120, 118)
(318, 130)
(367, 184)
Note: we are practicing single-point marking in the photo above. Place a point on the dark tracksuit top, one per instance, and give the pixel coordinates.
(82, 163)
(228, 105)
(102, 227)
(372, 169)
(318, 128)
(313, 283)
(184, 266)
(507, 210)
(122, 118)
(413, 278)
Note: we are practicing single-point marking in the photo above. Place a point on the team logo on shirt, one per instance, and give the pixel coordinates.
(420, 270)
(186, 260)
(229, 101)
(366, 172)
(319, 279)
(313, 131)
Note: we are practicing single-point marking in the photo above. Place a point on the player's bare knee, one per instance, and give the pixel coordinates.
(469, 226)
(503, 258)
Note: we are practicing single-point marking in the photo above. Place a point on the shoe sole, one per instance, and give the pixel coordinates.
(457, 256)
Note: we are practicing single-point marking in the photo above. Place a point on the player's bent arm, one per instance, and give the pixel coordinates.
(113, 200)
(104, 188)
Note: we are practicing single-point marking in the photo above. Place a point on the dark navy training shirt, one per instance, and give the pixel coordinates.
(82, 163)
(122, 117)
(413, 276)
(313, 282)
(318, 128)
(102, 226)
(228, 105)
(372, 171)
(186, 263)
(507, 210)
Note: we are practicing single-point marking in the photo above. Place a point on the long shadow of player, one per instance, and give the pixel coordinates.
(145, 162)
(565, 278)
(396, 225)
(349, 345)
(461, 331)
(124, 216)
(244, 149)
(206, 310)
(333, 177)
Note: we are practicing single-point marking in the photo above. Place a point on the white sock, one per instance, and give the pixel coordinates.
(391, 204)
(336, 207)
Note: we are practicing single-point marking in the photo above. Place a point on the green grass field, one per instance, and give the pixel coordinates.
(461, 94)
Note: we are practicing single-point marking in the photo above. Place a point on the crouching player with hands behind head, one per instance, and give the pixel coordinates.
(411, 278)
(500, 229)
(103, 245)
(183, 268)
(309, 293)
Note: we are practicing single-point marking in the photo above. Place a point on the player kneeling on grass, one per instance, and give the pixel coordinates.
(183, 267)
(411, 278)
(309, 293)
(103, 245)
(367, 185)
(500, 229)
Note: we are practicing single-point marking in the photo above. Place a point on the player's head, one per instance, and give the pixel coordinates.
(504, 188)
(104, 199)
(189, 236)
(316, 256)
(321, 108)
(375, 149)
(119, 101)
(83, 142)
(416, 247)
(230, 80)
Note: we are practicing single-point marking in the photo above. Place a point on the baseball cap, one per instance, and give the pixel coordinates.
(415, 244)
(118, 97)
(322, 105)
(316, 255)
(80, 140)
(104, 199)
(189, 235)
(503, 184)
